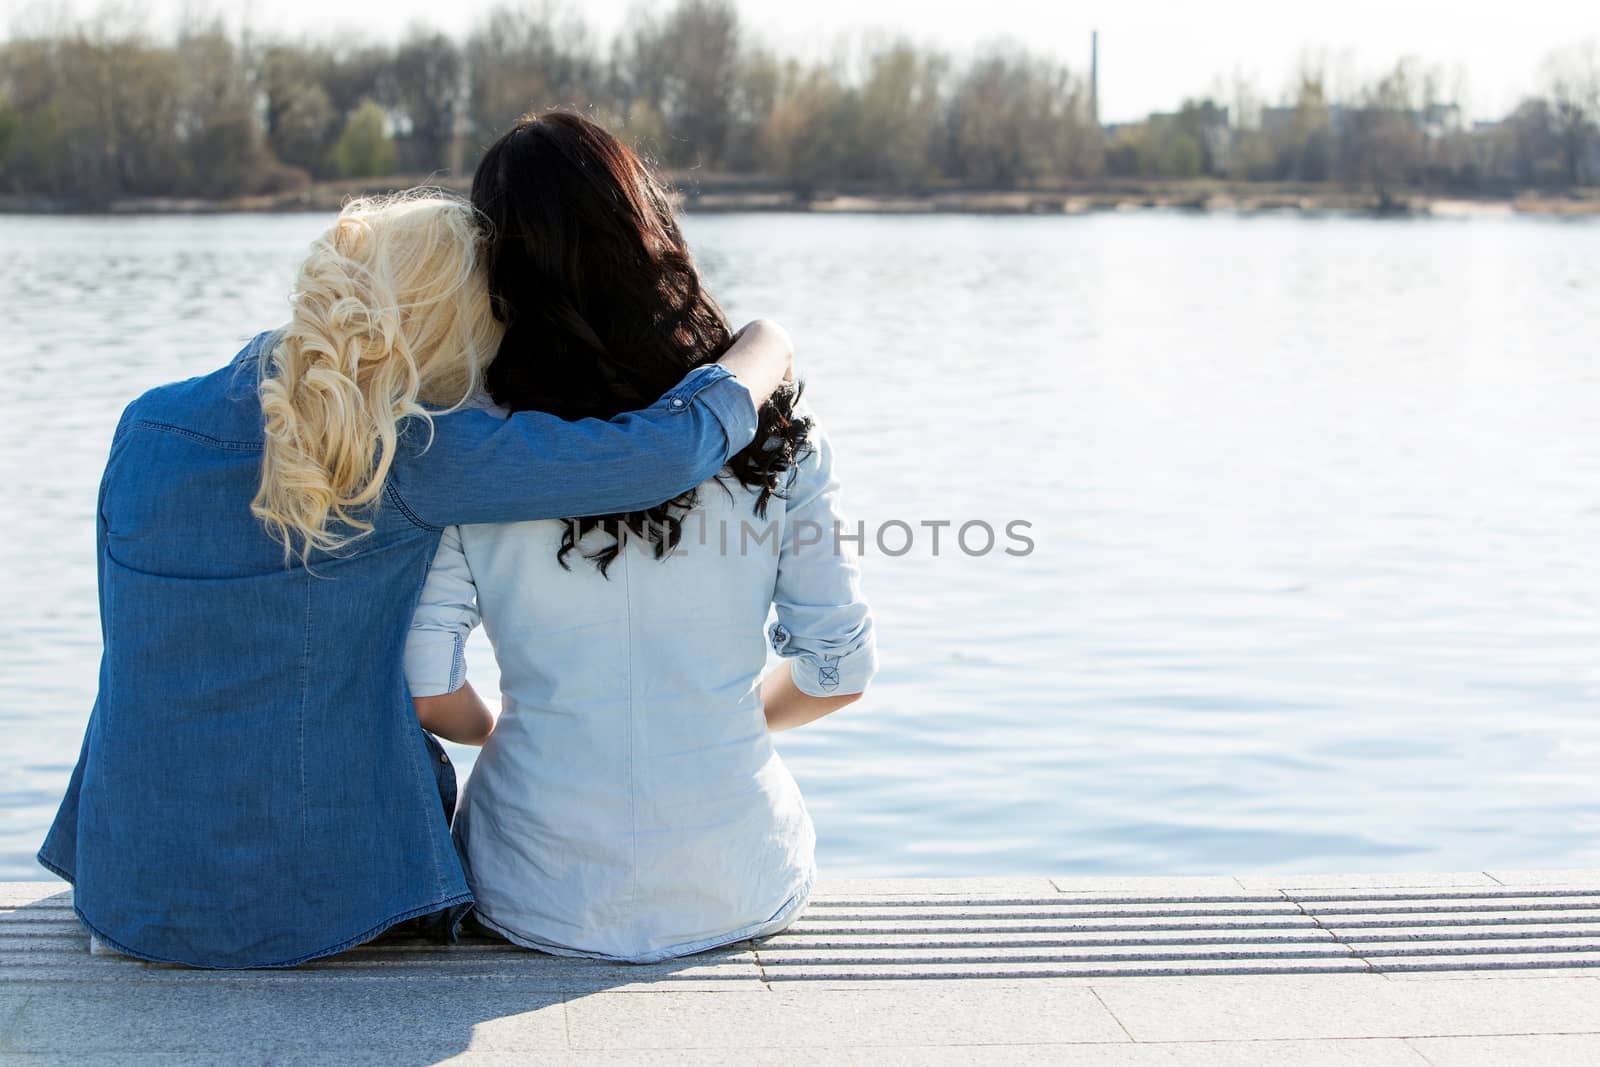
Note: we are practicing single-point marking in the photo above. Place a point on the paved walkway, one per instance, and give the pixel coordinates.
(1493, 967)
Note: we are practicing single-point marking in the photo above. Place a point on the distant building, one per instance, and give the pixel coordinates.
(1435, 120)
(1208, 123)
(1277, 123)
(1216, 130)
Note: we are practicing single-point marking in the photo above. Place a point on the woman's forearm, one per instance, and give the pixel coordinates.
(460, 716)
(761, 357)
(787, 706)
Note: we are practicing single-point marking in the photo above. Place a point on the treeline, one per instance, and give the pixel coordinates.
(1396, 132)
(98, 111)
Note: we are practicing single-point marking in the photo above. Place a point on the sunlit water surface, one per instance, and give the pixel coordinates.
(1316, 508)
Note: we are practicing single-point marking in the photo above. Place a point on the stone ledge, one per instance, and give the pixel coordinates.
(1247, 969)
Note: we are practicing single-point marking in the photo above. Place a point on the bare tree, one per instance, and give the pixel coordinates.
(216, 122)
(520, 60)
(1572, 78)
(425, 85)
(301, 117)
(806, 130)
(1382, 141)
(685, 65)
(1013, 119)
(900, 105)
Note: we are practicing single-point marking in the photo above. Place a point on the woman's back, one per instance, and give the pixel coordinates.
(629, 803)
(188, 828)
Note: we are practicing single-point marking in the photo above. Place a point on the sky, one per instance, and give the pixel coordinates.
(1153, 53)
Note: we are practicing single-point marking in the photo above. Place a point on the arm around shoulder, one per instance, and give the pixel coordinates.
(475, 467)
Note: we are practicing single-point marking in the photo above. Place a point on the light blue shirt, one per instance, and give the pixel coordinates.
(629, 804)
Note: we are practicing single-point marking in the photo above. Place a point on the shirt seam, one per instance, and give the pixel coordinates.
(195, 435)
(305, 691)
(458, 663)
(697, 380)
(633, 784)
(416, 520)
(734, 409)
(429, 772)
(431, 797)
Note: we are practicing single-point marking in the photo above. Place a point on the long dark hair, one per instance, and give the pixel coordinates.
(603, 306)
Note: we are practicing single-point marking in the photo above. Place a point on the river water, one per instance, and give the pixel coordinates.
(1314, 508)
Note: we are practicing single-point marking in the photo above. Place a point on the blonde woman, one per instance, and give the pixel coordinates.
(254, 789)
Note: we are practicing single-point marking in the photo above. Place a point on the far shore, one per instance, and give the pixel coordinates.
(700, 193)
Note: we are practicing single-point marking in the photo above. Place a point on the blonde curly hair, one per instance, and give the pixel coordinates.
(391, 311)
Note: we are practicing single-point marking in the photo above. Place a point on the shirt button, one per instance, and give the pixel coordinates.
(443, 758)
(677, 401)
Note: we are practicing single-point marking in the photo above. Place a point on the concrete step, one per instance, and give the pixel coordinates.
(1239, 969)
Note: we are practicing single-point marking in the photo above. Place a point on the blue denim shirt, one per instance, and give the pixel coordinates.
(253, 788)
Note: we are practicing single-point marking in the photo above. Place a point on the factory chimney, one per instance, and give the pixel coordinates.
(1094, 77)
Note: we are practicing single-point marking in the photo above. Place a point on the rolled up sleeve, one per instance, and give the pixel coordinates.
(436, 658)
(724, 396)
(824, 625)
